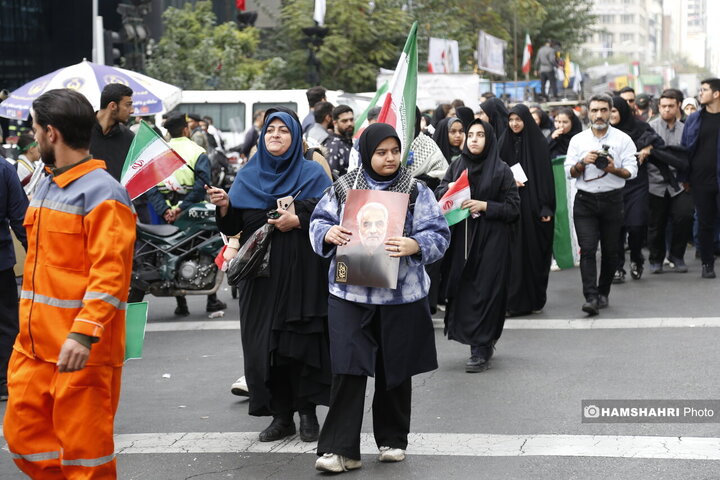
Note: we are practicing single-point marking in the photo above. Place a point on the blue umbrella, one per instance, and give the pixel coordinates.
(150, 96)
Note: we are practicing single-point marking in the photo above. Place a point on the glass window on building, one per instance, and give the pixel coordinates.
(627, 18)
(627, 37)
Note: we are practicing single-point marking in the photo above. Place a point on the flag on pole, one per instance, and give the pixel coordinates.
(319, 12)
(149, 161)
(360, 122)
(399, 107)
(568, 71)
(451, 202)
(527, 55)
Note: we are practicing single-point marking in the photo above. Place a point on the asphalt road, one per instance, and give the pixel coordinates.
(519, 420)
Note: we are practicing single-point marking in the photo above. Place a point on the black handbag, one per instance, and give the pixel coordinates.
(253, 258)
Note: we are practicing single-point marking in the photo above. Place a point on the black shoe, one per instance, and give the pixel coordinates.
(708, 270)
(591, 307)
(476, 364)
(309, 427)
(679, 265)
(278, 429)
(636, 270)
(619, 276)
(214, 305)
(602, 301)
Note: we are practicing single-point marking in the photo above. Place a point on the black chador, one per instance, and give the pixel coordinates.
(532, 250)
(477, 261)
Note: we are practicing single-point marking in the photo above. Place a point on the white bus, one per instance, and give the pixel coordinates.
(232, 110)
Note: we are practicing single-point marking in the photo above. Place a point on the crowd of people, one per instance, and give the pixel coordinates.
(641, 173)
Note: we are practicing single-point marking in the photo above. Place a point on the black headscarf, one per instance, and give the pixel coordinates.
(481, 167)
(559, 146)
(641, 133)
(440, 113)
(530, 149)
(441, 137)
(546, 122)
(371, 137)
(466, 116)
(495, 109)
(418, 119)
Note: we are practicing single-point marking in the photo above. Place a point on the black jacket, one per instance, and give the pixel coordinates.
(112, 148)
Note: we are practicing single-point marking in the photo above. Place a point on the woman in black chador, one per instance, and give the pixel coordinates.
(478, 259)
(282, 317)
(636, 195)
(524, 144)
(497, 115)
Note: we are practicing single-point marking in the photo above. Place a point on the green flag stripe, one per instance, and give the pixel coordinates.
(562, 241)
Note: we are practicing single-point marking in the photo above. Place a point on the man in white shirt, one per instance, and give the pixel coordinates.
(598, 208)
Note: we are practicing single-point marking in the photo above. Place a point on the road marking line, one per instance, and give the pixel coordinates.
(472, 445)
(510, 324)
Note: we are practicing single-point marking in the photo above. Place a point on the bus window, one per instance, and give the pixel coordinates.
(265, 105)
(228, 117)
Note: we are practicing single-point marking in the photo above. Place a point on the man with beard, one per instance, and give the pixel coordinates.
(701, 138)
(339, 142)
(368, 263)
(66, 366)
(110, 139)
(598, 210)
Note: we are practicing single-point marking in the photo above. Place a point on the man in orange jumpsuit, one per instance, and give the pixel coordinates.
(64, 373)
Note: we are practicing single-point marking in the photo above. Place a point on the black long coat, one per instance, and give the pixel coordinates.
(283, 317)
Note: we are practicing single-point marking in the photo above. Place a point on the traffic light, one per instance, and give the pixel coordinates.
(111, 42)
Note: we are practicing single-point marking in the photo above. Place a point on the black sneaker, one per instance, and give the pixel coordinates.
(602, 301)
(708, 271)
(476, 364)
(215, 305)
(619, 277)
(591, 307)
(636, 270)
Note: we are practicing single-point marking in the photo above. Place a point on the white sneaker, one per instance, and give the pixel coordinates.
(240, 387)
(389, 454)
(331, 462)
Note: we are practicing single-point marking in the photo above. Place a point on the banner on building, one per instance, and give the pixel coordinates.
(443, 56)
(491, 54)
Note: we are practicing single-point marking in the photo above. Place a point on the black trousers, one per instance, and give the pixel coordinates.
(8, 319)
(678, 211)
(598, 217)
(340, 433)
(707, 202)
(548, 77)
(286, 392)
(635, 236)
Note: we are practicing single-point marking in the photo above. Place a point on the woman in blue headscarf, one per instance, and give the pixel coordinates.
(283, 316)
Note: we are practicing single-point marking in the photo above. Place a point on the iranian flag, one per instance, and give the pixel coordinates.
(452, 200)
(149, 161)
(527, 55)
(399, 107)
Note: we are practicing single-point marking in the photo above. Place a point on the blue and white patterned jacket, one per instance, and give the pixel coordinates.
(426, 225)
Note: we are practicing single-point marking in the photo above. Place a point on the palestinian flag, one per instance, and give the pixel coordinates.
(399, 107)
(565, 244)
(149, 161)
(452, 200)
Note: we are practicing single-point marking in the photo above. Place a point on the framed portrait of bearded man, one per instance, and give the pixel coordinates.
(373, 216)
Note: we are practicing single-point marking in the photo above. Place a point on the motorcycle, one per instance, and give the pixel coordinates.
(178, 259)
